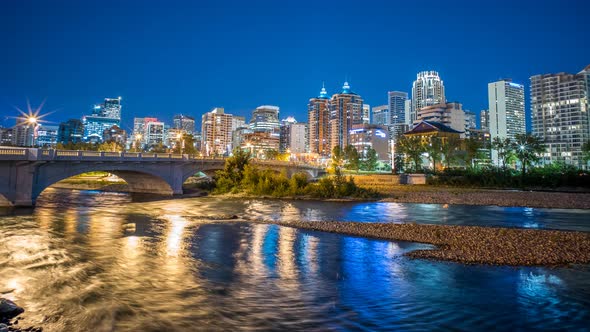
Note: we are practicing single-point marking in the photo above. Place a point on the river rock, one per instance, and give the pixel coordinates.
(9, 309)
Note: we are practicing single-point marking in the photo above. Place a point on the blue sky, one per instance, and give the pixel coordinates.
(169, 57)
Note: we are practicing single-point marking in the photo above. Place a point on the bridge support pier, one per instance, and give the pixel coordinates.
(16, 181)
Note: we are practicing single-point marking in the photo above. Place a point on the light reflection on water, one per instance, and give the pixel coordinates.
(112, 264)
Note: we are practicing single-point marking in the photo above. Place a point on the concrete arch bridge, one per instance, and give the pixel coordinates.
(26, 172)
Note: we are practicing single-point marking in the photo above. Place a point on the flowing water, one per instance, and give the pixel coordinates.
(93, 261)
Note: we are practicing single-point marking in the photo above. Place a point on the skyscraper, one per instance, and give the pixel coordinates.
(47, 136)
(140, 131)
(428, 89)
(397, 107)
(185, 123)
(318, 111)
(506, 109)
(104, 116)
(346, 110)
(265, 119)
(293, 136)
(484, 120)
(366, 113)
(381, 115)
(111, 108)
(561, 115)
(71, 131)
(216, 132)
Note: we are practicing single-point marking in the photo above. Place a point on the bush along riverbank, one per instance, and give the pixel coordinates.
(240, 177)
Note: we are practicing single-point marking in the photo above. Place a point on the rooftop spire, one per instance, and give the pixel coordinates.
(323, 92)
(346, 87)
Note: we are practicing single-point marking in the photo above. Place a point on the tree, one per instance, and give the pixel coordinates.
(434, 149)
(336, 166)
(271, 154)
(185, 145)
(504, 148)
(110, 147)
(527, 149)
(158, 148)
(472, 151)
(412, 147)
(370, 162)
(352, 157)
(449, 148)
(233, 169)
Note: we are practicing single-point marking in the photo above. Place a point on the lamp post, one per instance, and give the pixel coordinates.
(32, 122)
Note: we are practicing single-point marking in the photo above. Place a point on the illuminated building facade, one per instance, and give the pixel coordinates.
(428, 89)
(346, 110)
(318, 111)
(561, 115)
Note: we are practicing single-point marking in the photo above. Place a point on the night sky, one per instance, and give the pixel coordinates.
(169, 57)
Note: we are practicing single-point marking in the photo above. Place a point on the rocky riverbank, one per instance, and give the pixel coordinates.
(9, 320)
(471, 244)
(467, 196)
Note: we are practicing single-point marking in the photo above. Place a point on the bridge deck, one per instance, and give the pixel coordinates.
(33, 154)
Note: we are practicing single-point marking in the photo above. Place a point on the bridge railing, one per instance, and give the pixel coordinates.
(16, 153)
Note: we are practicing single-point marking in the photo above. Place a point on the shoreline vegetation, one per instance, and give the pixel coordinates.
(468, 244)
(418, 194)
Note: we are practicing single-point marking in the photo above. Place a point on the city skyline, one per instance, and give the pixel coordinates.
(172, 75)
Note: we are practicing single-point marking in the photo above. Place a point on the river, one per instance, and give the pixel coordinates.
(94, 261)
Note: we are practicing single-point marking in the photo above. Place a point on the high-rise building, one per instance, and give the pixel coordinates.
(449, 114)
(397, 107)
(506, 109)
(155, 133)
(346, 110)
(470, 122)
(216, 132)
(381, 115)
(104, 116)
(6, 136)
(185, 123)
(293, 136)
(94, 127)
(111, 108)
(23, 135)
(47, 136)
(285, 137)
(237, 122)
(71, 131)
(366, 113)
(265, 119)
(408, 112)
(428, 89)
(318, 111)
(140, 135)
(484, 120)
(560, 111)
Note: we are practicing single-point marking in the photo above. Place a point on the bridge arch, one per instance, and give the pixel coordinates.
(139, 180)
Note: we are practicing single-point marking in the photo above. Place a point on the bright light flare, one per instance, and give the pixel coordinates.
(32, 117)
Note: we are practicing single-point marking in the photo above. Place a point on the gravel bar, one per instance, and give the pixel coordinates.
(470, 244)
